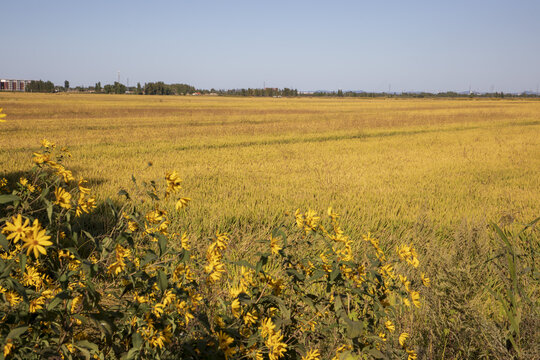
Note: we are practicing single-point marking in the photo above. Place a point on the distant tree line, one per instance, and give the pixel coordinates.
(160, 88)
(40, 86)
(447, 94)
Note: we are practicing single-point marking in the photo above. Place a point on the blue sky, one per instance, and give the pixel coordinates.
(308, 45)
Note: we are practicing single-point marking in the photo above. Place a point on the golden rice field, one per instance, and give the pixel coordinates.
(431, 172)
(246, 161)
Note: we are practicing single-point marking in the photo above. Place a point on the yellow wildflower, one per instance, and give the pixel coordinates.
(84, 205)
(36, 304)
(425, 280)
(47, 144)
(70, 348)
(406, 302)
(133, 226)
(340, 350)
(158, 340)
(267, 327)
(67, 175)
(24, 182)
(2, 116)
(408, 253)
(156, 216)
(63, 198)
(235, 307)
(412, 354)
(184, 242)
(17, 228)
(9, 343)
(36, 240)
(250, 318)
(312, 355)
(39, 158)
(173, 182)
(402, 338)
(32, 277)
(415, 297)
(12, 298)
(182, 203)
(274, 245)
(224, 342)
(82, 189)
(119, 265)
(158, 310)
(222, 241)
(276, 347)
(390, 326)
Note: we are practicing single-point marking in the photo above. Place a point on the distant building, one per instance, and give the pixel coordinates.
(14, 85)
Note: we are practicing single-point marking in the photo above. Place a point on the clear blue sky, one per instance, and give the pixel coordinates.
(364, 45)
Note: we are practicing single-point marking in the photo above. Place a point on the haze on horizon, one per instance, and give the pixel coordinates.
(307, 45)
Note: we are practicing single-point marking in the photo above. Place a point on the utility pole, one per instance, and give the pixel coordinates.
(118, 76)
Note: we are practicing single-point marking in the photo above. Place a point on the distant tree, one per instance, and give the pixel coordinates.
(66, 85)
(139, 89)
(117, 88)
(98, 87)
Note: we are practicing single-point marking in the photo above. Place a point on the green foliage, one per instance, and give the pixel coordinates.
(515, 281)
(117, 88)
(160, 88)
(40, 86)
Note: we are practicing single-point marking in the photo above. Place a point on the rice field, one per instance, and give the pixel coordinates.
(432, 172)
(246, 161)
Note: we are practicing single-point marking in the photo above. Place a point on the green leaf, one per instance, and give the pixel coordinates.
(317, 274)
(4, 199)
(4, 242)
(162, 280)
(84, 352)
(354, 328)
(17, 332)
(49, 210)
(137, 341)
(55, 302)
(162, 242)
(22, 261)
(132, 354)
(298, 275)
(252, 340)
(123, 193)
(87, 345)
(149, 257)
(334, 274)
(376, 354)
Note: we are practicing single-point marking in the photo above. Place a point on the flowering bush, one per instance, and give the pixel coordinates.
(138, 291)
